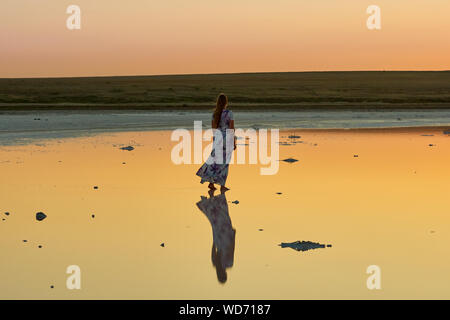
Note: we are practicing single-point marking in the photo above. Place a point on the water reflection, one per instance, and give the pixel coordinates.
(222, 253)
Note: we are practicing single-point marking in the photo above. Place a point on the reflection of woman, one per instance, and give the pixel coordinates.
(215, 170)
(222, 255)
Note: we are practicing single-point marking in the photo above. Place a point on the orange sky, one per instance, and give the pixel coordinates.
(143, 37)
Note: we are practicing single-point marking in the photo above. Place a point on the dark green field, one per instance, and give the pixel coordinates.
(245, 91)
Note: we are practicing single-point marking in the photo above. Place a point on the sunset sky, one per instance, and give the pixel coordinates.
(147, 37)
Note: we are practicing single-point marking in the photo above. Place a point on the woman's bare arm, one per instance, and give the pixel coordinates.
(232, 128)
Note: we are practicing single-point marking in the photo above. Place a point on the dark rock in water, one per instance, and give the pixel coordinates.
(51, 287)
(162, 245)
(4, 219)
(39, 247)
(40, 216)
(279, 193)
(431, 145)
(290, 160)
(6, 213)
(294, 137)
(93, 216)
(235, 202)
(123, 162)
(95, 187)
(25, 240)
(129, 148)
(260, 229)
(355, 156)
(303, 245)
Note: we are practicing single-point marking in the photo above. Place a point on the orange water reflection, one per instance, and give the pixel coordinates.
(389, 206)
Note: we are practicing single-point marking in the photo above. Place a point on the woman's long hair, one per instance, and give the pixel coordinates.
(222, 102)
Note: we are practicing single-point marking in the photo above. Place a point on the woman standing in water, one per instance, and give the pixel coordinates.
(215, 169)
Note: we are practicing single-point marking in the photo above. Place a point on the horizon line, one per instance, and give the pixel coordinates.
(212, 74)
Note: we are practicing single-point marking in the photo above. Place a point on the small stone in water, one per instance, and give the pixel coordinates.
(290, 160)
(40, 216)
(129, 148)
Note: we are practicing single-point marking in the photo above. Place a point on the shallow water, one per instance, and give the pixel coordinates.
(26, 127)
(388, 207)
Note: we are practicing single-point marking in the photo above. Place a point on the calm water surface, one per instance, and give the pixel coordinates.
(389, 207)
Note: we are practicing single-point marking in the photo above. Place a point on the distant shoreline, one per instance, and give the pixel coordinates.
(290, 91)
